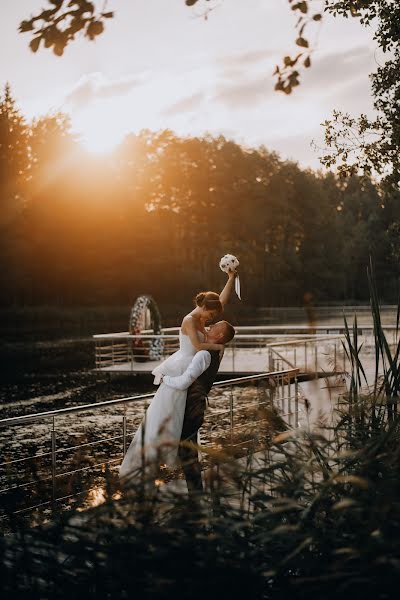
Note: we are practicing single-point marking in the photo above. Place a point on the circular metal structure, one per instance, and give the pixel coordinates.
(145, 315)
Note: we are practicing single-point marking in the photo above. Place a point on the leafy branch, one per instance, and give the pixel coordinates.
(57, 26)
(356, 144)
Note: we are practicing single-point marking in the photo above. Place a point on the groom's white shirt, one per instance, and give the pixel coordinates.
(200, 363)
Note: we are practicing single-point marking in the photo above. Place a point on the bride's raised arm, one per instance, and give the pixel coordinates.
(227, 291)
(191, 331)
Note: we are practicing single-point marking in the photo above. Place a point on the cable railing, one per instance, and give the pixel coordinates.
(128, 352)
(254, 349)
(61, 471)
(322, 354)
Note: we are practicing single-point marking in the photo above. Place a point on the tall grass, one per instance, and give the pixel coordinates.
(305, 514)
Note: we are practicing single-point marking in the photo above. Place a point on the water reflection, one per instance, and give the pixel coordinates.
(96, 496)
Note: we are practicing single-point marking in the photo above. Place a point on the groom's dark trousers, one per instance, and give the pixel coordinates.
(194, 416)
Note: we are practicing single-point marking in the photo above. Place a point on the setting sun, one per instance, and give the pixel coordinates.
(101, 128)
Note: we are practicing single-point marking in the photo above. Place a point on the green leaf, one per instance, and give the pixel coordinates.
(94, 29)
(301, 6)
(59, 49)
(302, 42)
(26, 26)
(35, 43)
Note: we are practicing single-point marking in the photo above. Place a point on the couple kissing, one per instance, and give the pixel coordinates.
(168, 433)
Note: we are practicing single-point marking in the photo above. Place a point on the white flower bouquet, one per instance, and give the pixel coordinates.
(229, 262)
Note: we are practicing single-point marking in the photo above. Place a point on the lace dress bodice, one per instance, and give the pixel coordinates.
(177, 363)
(185, 344)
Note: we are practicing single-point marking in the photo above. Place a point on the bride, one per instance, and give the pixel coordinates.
(157, 438)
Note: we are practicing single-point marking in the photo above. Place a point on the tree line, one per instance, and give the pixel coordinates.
(157, 214)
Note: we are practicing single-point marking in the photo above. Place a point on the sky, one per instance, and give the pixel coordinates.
(159, 64)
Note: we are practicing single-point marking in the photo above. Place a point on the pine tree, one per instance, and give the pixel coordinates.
(14, 158)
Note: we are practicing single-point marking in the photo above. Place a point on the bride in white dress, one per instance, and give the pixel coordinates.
(157, 438)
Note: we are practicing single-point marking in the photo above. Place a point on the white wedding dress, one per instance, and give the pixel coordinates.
(157, 438)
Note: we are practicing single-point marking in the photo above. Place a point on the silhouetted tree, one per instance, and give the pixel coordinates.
(156, 216)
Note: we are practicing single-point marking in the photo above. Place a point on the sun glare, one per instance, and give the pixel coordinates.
(99, 145)
(99, 141)
(101, 128)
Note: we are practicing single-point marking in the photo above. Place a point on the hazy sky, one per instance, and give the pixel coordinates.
(159, 65)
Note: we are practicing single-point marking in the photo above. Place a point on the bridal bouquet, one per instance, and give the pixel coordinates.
(230, 263)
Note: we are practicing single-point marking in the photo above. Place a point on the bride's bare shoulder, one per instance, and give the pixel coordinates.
(188, 320)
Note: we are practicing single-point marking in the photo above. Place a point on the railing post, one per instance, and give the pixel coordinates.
(130, 352)
(53, 463)
(316, 358)
(231, 413)
(124, 432)
(296, 400)
(289, 386)
(334, 356)
(305, 356)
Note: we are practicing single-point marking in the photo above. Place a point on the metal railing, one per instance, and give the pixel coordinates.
(126, 352)
(317, 354)
(281, 392)
(317, 349)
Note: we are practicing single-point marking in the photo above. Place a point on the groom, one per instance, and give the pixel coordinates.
(199, 378)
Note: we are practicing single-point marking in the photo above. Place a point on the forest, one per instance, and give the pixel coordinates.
(156, 215)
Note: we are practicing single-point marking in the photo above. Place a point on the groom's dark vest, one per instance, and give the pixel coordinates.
(197, 397)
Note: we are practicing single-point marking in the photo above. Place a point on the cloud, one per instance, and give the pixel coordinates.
(94, 85)
(340, 68)
(184, 105)
(246, 93)
(245, 59)
(330, 74)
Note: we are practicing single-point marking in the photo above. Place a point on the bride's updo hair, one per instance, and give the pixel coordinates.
(209, 301)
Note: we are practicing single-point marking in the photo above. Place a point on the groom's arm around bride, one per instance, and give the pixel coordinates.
(199, 378)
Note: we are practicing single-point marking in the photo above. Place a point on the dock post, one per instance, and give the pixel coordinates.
(53, 463)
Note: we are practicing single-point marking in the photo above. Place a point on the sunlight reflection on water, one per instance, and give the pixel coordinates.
(95, 497)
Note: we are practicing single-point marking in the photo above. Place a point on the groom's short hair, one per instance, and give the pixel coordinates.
(229, 331)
